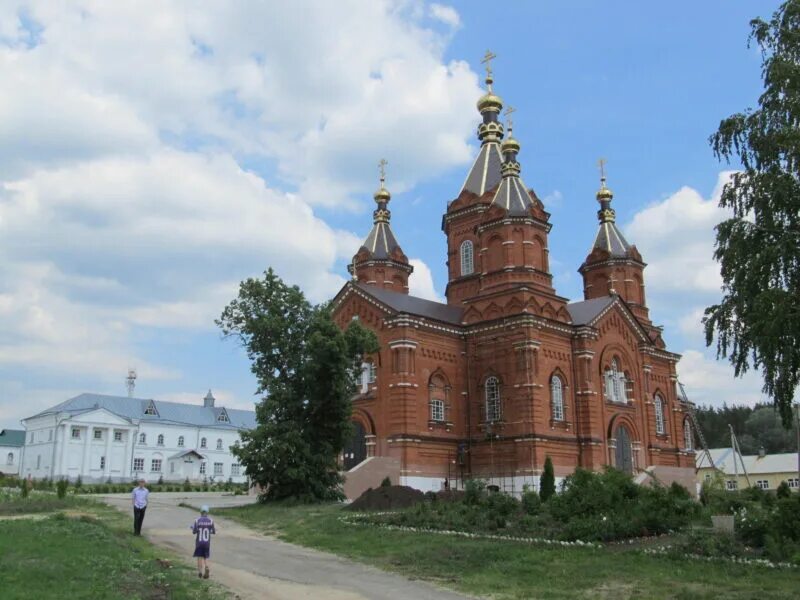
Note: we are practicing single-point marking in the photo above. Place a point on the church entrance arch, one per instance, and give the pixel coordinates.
(355, 451)
(623, 458)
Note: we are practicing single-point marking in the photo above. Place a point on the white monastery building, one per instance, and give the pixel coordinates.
(101, 437)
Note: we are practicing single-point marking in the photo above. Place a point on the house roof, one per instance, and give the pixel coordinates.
(12, 437)
(754, 464)
(610, 239)
(380, 241)
(168, 412)
(185, 453)
(485, 173)
(586, 311)
(403, 303)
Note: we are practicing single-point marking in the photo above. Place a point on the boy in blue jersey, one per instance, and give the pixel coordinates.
(203, 527)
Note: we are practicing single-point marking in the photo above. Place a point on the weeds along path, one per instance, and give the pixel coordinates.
(255, 566)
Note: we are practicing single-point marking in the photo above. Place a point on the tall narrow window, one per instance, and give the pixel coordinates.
(160, 441)
(493, 407)
(467, 258)
(373, 372)
(142, 438)
(437, 410)
(557, 398)
(688, 436)
(219, 444)
(203, 442)
(615, 383)
(180, 441)
(659, 408)
(10, 458)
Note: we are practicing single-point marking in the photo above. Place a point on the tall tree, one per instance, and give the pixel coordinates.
(306, 369)
(757, 323)
(547, 486)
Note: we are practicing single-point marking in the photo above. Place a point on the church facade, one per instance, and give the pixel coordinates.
(507, 373)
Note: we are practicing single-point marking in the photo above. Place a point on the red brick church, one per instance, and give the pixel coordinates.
(508, 372)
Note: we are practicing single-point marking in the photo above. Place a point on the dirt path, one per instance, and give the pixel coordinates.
(258, 567)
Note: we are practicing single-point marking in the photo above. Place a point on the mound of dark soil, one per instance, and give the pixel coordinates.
(387, 498)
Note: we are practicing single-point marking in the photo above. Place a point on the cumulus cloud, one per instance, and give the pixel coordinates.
(420, 283)
(446, 14)
(153, 154)
(711, 382)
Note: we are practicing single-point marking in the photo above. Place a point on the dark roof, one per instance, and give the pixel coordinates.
(513, 196)
(168, 412)
(12, 437)
(485, 173)
(584, 312)
(381, 241)
(403, 303)
(610, 239)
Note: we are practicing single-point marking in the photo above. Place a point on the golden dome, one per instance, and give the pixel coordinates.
(490, 102)
(510, 145)
(604, 193)
(382, 195)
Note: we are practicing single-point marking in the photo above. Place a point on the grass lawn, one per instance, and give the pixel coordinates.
(506, 570)
(87, 551)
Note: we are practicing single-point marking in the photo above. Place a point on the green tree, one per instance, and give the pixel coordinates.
(757, 322)
(306, 369)
(547, 486)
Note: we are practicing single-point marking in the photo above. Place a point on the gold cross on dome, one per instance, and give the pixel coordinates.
(382, 168)
(487, 60)
(602, 164)
(508, 112)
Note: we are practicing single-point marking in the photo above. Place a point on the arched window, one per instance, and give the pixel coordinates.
(688, 436)
(659, 408)
(557, 397)
(467, 258)
(614, 383)
(437, 398)
(180, 441)
(142, 438)
(493, 405)
(10, 458)
(202, 442)
(160, 441)
(219, 444)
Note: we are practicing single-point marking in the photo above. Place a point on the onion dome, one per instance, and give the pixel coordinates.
(609, 237)
(512, 195)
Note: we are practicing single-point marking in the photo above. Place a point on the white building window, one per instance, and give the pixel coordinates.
(202, 468)
(30, 438)
(117, 436)
(203, 442)
(222, 417)
(467, 258)
(180, 442)
(38, 461)
(160, 440)
(794, 483)
(557, 397)
(142, 438)
(235, 470)
(10, 458)
(658, 403)
(151, 409)
(138, 464)
(437, 410)
(50, 435)
(102, 462)
(217, 469)
(372, 376)
(731, 485)
(614, 383)
(98, 434)
(763, 484)
(155, 465)
(76, 433)
(493, 404)
(688, 436)
(219, 444)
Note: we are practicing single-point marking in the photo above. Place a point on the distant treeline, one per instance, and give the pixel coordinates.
(755, 427)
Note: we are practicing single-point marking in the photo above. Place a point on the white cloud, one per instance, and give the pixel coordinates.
(420, 283)
(711, 382)
(124, 205)
(446, 14)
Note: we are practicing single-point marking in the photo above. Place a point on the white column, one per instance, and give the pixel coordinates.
(85, 466)
(64, 468)
(107, 469)
(125, 471)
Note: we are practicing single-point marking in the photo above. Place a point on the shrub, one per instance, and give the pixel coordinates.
(24, 488)
(548, 484)
(78, 482)
(160, 480)
(187, 485)
(61, 488)
(531, 502)
(783, 490)
(474, 491)
(386, 482)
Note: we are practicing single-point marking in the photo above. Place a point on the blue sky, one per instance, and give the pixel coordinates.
(151, 156)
